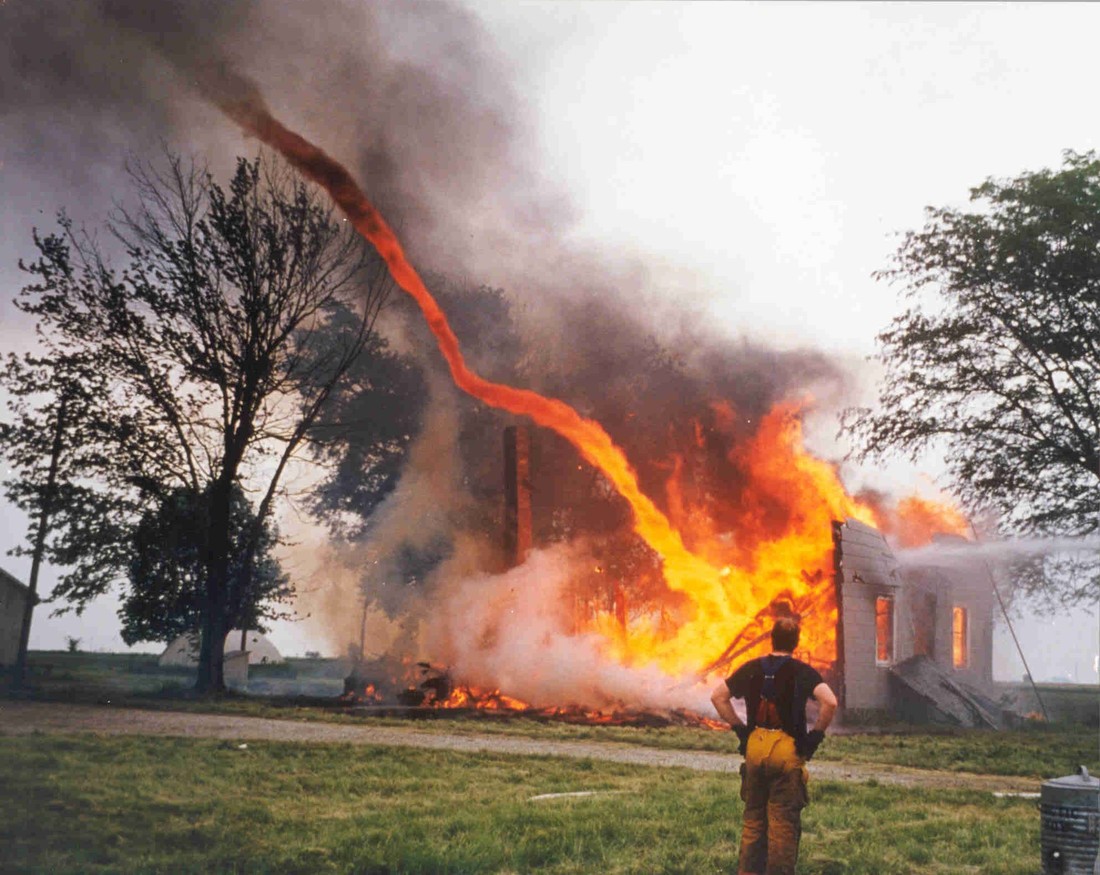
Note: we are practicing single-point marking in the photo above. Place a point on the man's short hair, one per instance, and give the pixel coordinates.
(785, 634)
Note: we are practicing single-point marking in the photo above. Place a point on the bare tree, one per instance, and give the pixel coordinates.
(214, 342)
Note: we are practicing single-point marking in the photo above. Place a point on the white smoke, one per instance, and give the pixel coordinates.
(1015, 548)
(512, 632)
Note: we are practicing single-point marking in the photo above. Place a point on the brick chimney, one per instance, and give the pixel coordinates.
(517, 495)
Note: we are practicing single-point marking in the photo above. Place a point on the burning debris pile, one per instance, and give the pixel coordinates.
(390, 686)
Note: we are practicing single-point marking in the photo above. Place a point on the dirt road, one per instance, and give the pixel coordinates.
(22, 718)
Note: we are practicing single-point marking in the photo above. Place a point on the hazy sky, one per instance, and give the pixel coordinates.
(757, 159)
(775, 147)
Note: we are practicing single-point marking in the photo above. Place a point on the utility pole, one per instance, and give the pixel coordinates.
(1008, 620)
(363, 631)
(18, 680)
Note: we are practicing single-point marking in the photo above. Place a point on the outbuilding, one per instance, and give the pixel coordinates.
(184, 650)
(13, 604)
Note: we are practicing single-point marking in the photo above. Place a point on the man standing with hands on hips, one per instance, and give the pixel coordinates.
(776, 746)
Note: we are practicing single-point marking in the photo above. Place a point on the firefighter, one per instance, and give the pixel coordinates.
(776, 746)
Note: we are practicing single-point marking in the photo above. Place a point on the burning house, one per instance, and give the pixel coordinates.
(914, 641)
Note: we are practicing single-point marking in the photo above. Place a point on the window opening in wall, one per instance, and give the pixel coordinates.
(884, 630)
(960, 635)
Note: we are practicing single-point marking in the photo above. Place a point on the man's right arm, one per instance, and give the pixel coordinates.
(826, 701)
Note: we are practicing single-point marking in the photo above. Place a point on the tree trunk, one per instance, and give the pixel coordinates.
(19, 677)
(211, 676)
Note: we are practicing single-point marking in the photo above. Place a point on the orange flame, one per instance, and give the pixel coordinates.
(915, 519)
(768, 539)
(469, 697)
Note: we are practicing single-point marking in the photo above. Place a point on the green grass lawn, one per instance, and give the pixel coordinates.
(86, 804)
(1038, 751)
(1041, 752)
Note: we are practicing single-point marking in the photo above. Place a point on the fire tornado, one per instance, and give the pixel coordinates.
(683, 570)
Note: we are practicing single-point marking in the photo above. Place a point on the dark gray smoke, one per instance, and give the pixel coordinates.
(413, 96)
(408, 93)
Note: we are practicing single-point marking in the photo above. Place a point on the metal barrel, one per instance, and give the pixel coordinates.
(1070, 811)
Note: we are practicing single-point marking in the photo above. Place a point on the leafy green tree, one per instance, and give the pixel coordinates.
(166, 572)
(52, 435)
(362, 437)
(996, 360)
(210, 351)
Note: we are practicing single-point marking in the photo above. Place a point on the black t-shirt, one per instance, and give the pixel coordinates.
(795, 682)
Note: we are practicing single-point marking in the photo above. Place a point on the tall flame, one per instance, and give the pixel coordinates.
(773, 543)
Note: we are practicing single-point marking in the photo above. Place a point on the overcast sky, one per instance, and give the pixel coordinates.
(757, 158)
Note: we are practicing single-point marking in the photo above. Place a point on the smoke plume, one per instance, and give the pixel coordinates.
(511, 631)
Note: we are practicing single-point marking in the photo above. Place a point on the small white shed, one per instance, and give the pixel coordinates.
(184, 651)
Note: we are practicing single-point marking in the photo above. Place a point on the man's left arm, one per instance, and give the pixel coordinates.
(826, 709)
(826, 706)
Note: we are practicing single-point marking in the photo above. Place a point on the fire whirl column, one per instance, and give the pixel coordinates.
(517, 495)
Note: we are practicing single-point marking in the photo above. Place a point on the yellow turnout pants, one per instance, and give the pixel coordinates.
(773, 788)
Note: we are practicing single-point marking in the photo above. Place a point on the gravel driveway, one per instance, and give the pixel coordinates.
(23, 718)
